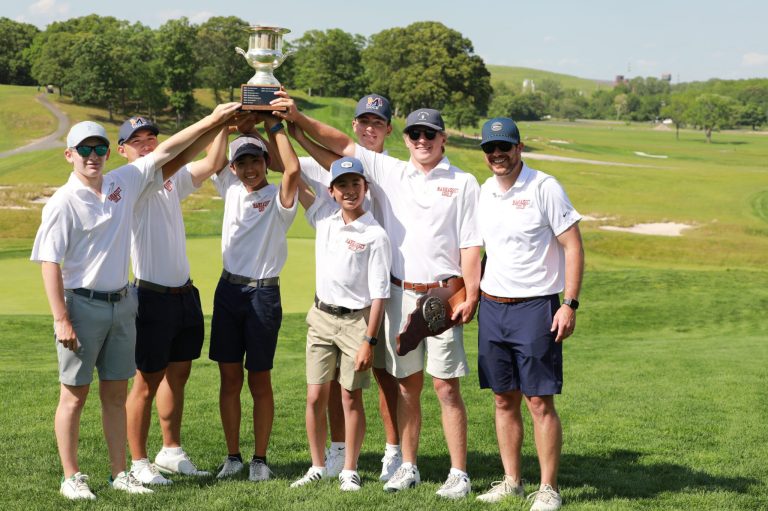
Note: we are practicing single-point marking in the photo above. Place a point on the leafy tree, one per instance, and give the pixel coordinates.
(15, 67)
(176, 46)
(95, 72)
(143, 81)
(712, 111)
(752, 115)
(222, 68)
(423, 65)
(621, 104)
(677, 109)
(459, 112)
(328, 63)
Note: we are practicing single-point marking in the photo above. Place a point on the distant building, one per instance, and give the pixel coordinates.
(666, 77)
(620, 80)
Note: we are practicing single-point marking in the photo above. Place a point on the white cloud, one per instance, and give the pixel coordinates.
(200, 17)
(43, 12)
(754, 59)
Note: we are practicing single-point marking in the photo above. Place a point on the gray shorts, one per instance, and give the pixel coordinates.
(106, 333)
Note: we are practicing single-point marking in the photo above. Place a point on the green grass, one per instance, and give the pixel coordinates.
(664, 404)
(514, 76)
(22, 118)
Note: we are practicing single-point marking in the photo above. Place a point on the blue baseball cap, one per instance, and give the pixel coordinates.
(346, 165)
(500, 129)
(374, 104)
(134, 124)
(425, 117)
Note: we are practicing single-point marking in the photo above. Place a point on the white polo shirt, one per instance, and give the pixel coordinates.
(428, 217)
(352, 261)
(319, 180)
(253, 232)
(158, 241)
(88, 235)
(520, 229)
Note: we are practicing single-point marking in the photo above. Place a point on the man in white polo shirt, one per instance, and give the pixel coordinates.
(371, 126)
(169, 325)
(534, 251)
(429, 211)
(83, 245)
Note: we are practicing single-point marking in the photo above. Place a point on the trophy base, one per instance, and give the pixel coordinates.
(257, 97)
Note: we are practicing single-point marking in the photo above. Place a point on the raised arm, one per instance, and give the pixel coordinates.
(335, 140)
(306, 196)
(280, 143)
(202, 142)
(215, 158)
(175, 144)
(321, 155)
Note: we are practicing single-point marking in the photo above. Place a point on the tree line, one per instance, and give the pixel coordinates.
(130, 68)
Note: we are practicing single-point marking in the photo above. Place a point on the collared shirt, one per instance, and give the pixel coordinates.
(88, 235)
(352, 260)
(158, 242)
(520, 229)
(429, 216)
(253, 232)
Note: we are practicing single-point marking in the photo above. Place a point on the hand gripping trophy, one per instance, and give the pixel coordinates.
(265, 54)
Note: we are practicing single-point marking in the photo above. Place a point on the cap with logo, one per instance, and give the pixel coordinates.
(346, 165)
(134, 124)
(500, 129)
(246, 144)
(425, 117)
(376, 105)
(83, 130)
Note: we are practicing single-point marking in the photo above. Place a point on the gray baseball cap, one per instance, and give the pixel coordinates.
(86, 129)
(346, 165)
(246, 144)
(374, 104)
(425, 117)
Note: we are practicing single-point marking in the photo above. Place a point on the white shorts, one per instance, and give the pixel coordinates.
(445, 353)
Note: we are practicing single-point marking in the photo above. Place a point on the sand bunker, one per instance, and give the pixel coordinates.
(654, 229)
(646, 155)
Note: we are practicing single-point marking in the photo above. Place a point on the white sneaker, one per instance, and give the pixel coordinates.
(76, 488)
(334, 461)
(501, 490)
(455, 487)
(127, 482)
(403, 478)
(546, 499)
(147, 473)
(313, 475)
(350, 480)
(258, 471)
(230, 467)
(171, 463)
(389, 465)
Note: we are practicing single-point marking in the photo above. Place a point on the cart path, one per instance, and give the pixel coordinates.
(50, 141)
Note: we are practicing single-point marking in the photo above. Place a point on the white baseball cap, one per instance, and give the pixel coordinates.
(86, 129)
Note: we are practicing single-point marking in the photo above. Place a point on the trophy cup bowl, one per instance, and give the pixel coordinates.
(265, 54)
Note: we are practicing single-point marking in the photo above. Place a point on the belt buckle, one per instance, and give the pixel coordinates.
(420, 287)
(335, 310)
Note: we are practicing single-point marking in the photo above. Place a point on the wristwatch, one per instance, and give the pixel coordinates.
(277, 127)
(573, 303)
(371, 340)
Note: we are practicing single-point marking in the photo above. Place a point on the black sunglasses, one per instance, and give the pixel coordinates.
(490, 147)
(86, 150)
(415, 133)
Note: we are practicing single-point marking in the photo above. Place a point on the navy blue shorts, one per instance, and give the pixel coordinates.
(516, 350)
(169, 328)
(245, 322)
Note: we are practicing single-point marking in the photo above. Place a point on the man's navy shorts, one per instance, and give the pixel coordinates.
(245, 322)
(516, 350)
(169, 328)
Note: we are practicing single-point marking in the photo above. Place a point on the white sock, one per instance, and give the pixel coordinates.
(460, 473)
(173, 450)
(339, 446)
(408, 464)
(321, 470)
(392, 450)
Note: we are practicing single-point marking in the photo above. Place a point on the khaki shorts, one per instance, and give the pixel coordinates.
(333, 341)
(445, 353)
(107, 336)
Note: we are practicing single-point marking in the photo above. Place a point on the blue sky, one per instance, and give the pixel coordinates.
(692, 40)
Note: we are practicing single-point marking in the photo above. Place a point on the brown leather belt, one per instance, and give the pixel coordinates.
(419, 287)
(501, 299)
(157, 288)
(248, 281)
(113, 297)
(336, 310)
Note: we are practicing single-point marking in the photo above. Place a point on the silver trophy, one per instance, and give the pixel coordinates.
(265, 54)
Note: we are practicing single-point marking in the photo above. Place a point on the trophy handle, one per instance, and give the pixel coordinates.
(279, 61)
(241, 51)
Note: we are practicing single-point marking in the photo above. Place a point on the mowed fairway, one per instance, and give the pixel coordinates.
(665, 401)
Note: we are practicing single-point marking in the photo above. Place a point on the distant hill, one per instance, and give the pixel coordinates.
(514, 76)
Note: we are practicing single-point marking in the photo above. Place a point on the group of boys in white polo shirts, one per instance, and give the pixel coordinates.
(432, 214)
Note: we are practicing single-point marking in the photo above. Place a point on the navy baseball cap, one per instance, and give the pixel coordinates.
(133, 125)
(374, 104)
(500, 129)
(246, 144)
(346, 165)
(425, 117)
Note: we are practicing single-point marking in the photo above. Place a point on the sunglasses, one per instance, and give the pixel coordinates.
(415, 134)
(490, 147)
(86, 150)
